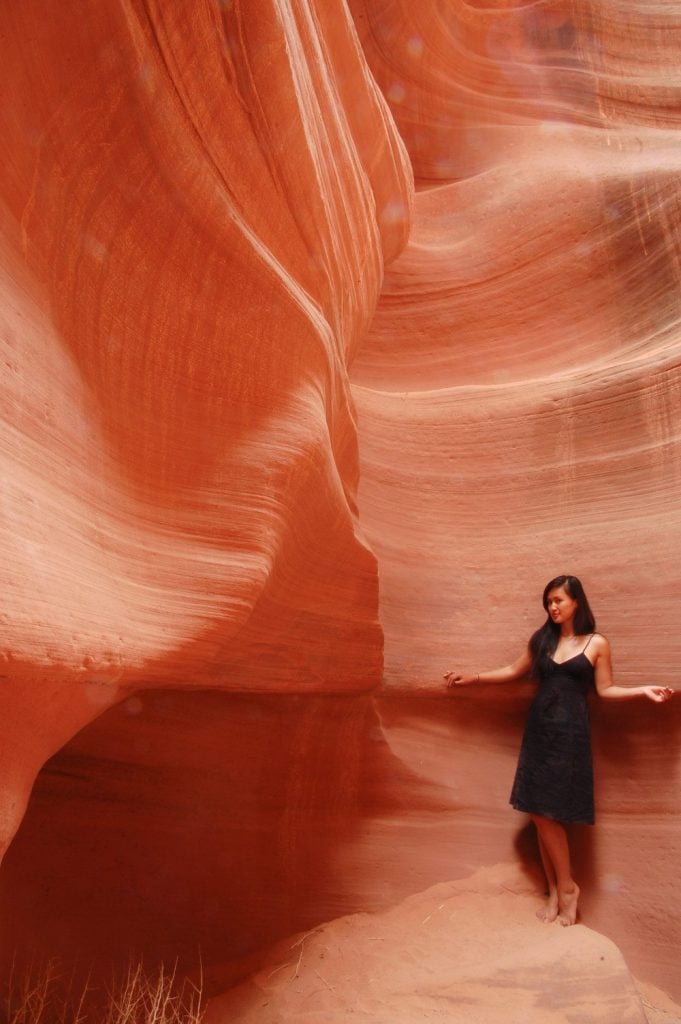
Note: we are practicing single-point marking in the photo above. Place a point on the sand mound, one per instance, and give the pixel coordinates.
(469, 951)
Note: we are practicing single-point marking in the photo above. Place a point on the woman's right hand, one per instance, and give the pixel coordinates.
(459, 679)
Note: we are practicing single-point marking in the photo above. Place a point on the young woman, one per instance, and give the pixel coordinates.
(554, 778)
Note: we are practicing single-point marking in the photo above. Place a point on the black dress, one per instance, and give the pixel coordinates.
(554, 777)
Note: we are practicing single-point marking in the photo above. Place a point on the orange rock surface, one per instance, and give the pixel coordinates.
(207, 222)
(196, 216)
(519, 394)
(460, 952)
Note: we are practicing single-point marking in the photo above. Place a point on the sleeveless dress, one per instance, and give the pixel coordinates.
(554, 777)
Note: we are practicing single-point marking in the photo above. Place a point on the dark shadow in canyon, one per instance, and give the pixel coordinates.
(195, 827)
(185, 826)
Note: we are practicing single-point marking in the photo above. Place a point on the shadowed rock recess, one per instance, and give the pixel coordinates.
(329, 331)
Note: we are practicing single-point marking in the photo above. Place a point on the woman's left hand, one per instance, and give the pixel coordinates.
(658, 693)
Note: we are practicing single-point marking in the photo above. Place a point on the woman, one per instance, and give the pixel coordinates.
(554, 779)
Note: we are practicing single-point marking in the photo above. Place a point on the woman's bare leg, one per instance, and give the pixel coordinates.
(553, 839)
(549, 912)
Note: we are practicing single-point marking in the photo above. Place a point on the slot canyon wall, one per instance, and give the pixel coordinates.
(330, 332)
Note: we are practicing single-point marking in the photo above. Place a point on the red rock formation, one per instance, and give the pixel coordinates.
(519, 392)
(196, 223)
(181, 822)
(196, 217)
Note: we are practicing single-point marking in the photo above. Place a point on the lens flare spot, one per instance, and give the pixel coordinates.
(396, 92)
(133, 706)
(445, 167)
(553, 128)
(393, 212)
(415, 46)
(96, 248)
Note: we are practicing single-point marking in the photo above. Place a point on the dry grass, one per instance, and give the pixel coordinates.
(45, 996)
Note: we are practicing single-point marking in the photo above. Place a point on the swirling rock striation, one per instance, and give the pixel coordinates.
(196, 216)
(203, 205)
(519, 391)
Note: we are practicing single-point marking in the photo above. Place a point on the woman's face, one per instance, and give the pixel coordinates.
(560, 606)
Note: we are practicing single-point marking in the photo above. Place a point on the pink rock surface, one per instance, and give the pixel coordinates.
(195, 221)
(519, 392)
(466, 82)
(202, 207)
(461, 952)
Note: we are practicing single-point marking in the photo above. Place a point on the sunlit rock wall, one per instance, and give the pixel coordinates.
(202, 207)
(520, 410)
(196, 215)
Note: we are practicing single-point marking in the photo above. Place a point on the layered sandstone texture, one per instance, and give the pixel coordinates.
(519, 392)
(276, 422)
(196, 217)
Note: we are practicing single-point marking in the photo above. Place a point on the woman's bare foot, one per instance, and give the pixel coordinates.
(567, 905)
(549, 912)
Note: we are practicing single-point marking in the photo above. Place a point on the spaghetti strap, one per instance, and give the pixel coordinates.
(588, 642)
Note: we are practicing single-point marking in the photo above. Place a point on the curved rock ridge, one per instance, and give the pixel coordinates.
(465, 80)
(524, 362)
(585, 280)
(519, 391)
(461, 951)
(195, 221)
(178, 337)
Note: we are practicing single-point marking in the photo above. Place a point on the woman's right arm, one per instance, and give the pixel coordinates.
(507, 674)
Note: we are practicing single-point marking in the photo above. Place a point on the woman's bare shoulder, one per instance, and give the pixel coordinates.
(599, 643)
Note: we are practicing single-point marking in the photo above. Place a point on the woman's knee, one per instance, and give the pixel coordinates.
(545, 824)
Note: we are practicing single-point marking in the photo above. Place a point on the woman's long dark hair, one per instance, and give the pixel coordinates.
(544, 642)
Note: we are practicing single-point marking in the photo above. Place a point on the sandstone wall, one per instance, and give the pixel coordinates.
(208, 216)
(519, 399)
(196, 215)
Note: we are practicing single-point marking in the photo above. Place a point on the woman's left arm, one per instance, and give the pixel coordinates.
(608, 690)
